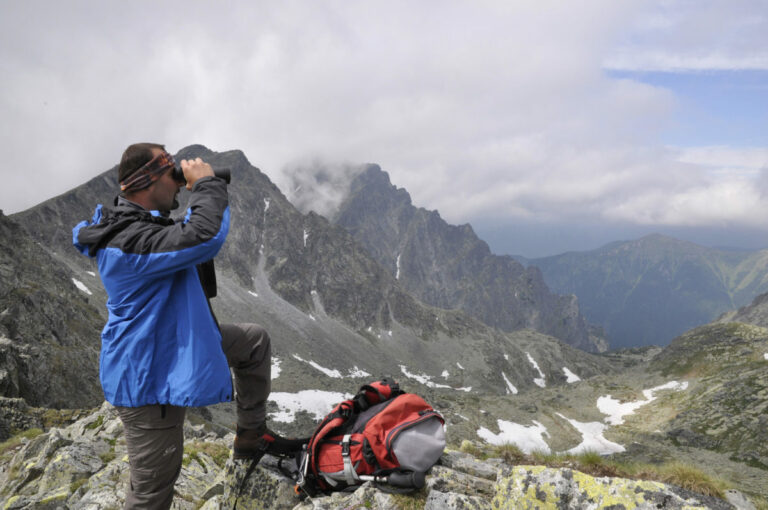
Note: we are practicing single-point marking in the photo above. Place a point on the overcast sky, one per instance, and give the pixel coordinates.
(548, 126)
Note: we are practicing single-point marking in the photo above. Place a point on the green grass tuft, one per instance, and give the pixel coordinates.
(510, 453)
(691, 478)
(594, 464)
(414, 501)
(74, 486)
(473, 449)
(8, 447)
(218, 453)
(759, 502)
(96, 424)
(107, 457)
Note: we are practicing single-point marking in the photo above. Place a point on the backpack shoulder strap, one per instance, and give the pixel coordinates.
(375, 393)
(336, 418)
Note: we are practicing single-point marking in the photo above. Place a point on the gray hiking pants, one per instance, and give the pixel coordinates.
(154, 434)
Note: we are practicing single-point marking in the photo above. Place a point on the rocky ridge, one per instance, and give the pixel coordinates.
(321, 295)
(714, 423)
(755, 313)
(49, 329)
(726, 408)
(84, 466)
(449, 267)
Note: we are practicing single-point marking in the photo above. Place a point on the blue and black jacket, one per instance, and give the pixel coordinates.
(161, 343)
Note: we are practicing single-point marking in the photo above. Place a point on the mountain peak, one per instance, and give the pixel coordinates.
(657, 238)
(194, 151)
(448, 266)
(374, 184)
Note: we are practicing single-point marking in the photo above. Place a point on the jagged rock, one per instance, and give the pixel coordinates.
(728, 410)
(443, 479)
(49, 331)
(738, 500)
(306, 280)
(534, 486)
(85, 466)
(265, 489)
(449, 267)
(454, 501)
(366, 496)
(468, 464)
(15, 415)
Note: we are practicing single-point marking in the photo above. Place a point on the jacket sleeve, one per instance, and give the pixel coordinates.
(161, 249)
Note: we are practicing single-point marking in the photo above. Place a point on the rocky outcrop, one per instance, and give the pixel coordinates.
(449, 267)
(755, 313)
(85, 466)
(528, 486)
(726, 408)
(49, 332)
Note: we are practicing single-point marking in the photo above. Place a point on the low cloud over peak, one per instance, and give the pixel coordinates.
(494, 110)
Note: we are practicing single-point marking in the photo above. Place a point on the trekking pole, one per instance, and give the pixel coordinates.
(410, 480)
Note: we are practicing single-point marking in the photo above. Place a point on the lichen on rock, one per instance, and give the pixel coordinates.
(85, 466)
(543, 487)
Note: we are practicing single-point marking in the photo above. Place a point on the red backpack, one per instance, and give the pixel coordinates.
(382, 435)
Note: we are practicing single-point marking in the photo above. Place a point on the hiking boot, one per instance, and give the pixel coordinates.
(254, 443)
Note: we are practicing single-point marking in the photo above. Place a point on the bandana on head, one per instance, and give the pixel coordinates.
(149, 173)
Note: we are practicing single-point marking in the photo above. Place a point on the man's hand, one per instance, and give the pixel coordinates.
(195, 169)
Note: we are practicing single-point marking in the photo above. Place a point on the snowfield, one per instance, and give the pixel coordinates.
(426, 380)
(539, 381)
(354, 372)
(528, 439)
(592, 438)
(316, 402)
(275, 368)
(327, 371)
(510, 387)
(571, 377)
(616, 410)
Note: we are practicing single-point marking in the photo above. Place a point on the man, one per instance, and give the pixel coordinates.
(162, 349)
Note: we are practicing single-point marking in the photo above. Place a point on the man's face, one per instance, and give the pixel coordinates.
(163, 192)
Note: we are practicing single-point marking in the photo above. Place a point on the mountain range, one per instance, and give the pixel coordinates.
(341, 312)
(449, 267)
(325, 300)
(650, 290)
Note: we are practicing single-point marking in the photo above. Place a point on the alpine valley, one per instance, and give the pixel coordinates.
(649, 290)
(375, 287)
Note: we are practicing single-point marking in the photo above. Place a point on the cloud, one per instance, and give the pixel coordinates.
(692, 36)
(491, 109)
(319, 186)
(739, 159)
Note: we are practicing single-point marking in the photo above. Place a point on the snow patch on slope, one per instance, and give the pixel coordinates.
(528, 439)
(616, 410)
(539, 381)
(327, 371)
(592, 439)
(316, 402)
(571, 377)
(510, 387)
(426, 380)
(81, 286)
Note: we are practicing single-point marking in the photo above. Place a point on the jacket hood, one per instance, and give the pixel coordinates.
(90, 236)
